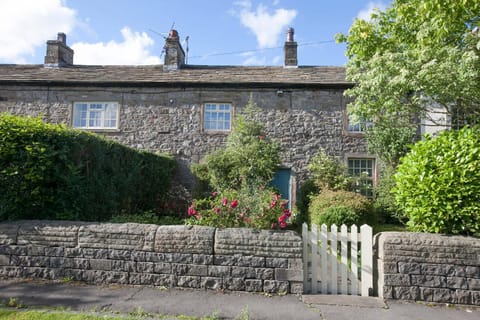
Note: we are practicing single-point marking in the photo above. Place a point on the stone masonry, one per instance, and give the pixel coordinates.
(165, 256)
(170, 120)
(428, 267)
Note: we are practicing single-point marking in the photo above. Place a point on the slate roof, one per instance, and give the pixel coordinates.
(189, 75)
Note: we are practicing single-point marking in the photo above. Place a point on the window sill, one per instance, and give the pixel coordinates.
(216, 132)
(99, 130)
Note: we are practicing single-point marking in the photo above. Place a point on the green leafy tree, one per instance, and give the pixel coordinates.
(416, 54)
(438, 183)
(249, 160)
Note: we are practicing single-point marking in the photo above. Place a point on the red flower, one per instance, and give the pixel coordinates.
(277, 196)
(273, 204)
(216, 209)
(224, 202)
(214, 194)
(283, 224)
(191, 211)
(234, 204)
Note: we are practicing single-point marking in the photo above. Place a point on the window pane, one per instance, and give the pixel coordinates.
(80, 115)
(364, 170)
(217, 116)
(95, 115)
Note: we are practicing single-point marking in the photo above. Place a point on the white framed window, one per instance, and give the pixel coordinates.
(95, 115)
(217, 116)
(358, 126)
(364, 170)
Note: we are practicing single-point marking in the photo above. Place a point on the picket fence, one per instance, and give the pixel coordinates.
(337, 262)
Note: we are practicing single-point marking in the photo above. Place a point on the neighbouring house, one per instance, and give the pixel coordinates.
(188, 110)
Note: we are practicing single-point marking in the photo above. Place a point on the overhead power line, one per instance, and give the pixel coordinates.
(257, 50)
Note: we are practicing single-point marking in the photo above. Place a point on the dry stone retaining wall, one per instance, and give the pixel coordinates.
(169, 256)
(428, 267)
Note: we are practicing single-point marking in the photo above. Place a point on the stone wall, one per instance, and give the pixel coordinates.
(428, 267)
(170, 119)
(168, 256)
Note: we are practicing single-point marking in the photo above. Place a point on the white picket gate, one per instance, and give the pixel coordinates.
(337, 262)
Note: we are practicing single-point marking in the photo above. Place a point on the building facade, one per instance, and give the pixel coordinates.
(188, 110)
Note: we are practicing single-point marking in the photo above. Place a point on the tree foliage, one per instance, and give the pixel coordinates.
(416, 54)
(438, 183)
(249, 160)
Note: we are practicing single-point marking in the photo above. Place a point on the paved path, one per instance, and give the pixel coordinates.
(225, 305)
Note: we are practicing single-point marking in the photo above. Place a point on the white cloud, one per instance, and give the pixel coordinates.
(266, 26)
(252, 59)
(133, 50)
(27, 24)
(366, 12)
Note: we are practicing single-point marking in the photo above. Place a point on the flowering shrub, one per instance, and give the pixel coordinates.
(233, 209)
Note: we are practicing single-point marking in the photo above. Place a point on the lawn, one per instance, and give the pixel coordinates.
(48, 314)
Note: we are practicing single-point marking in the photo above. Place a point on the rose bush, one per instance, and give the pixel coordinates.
(234, 209)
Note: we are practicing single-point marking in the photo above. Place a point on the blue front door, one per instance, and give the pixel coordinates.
(281, 181)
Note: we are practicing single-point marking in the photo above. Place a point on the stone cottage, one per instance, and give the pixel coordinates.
(188, 110)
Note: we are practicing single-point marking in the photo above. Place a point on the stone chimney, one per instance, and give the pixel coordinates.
(174, 54)
(58, 53)
(290, 51)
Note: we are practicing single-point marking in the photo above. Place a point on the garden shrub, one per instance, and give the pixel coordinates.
(327, 173)
(53, 172)
(359, 205)
(233, 209)
(249, 160)
(438, 183)
(338, 215)
(385, 206)
(305, 192)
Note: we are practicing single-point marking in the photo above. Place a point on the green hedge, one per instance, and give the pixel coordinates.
(438, 183)
(53, 172)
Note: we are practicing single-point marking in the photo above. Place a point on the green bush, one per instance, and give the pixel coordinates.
(385, 206)
(358, 207)
(249, 160)
(338, 215)
(438, 183)
(327, 173)
(305, 193)
(53, 172)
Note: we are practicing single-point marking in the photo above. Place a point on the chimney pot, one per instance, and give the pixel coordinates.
(173, 34)
(290, 33)
(62, 37)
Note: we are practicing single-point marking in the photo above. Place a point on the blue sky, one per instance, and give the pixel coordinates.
(220, 32)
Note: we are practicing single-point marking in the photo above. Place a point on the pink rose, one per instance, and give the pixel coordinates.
(234, 204)
(191, 211)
